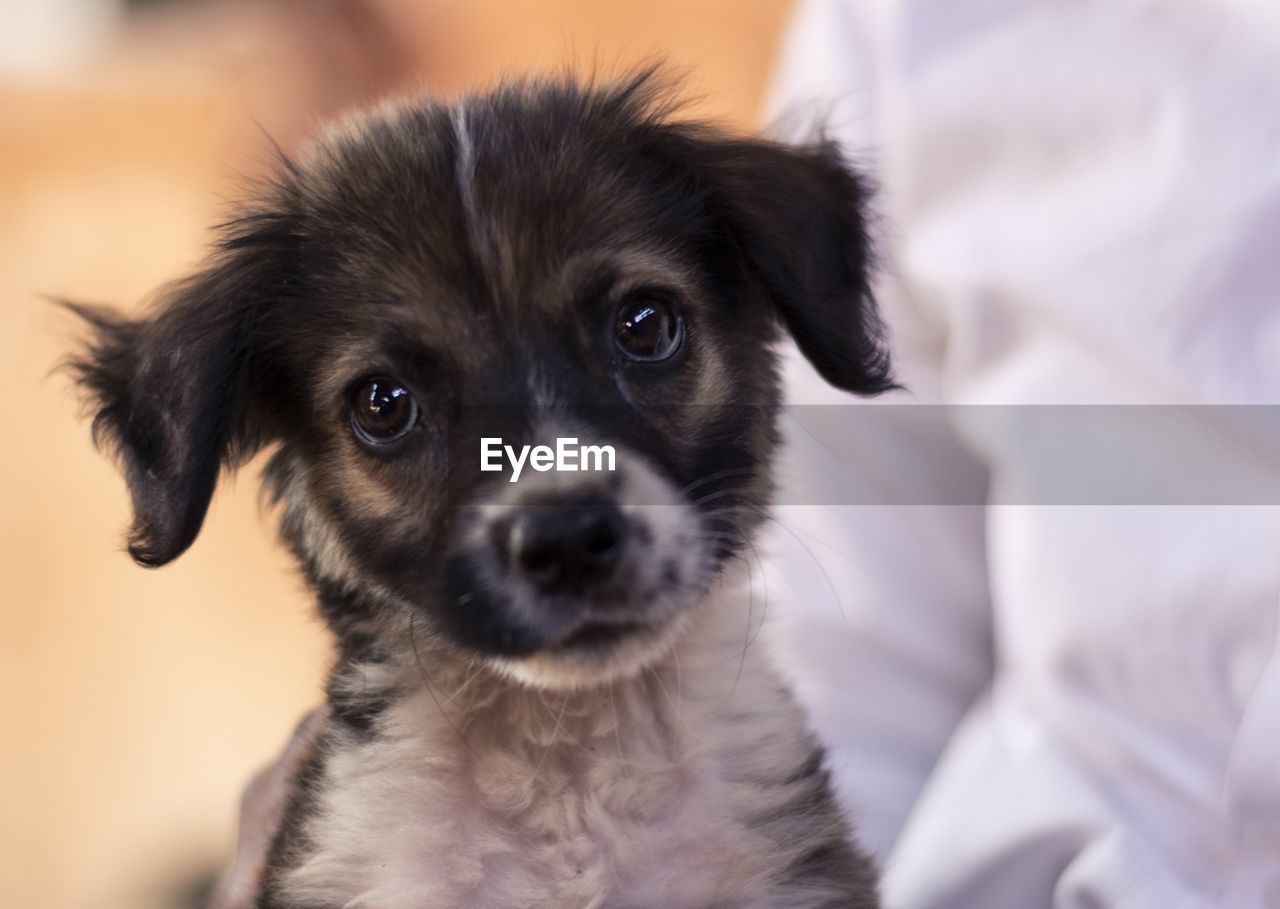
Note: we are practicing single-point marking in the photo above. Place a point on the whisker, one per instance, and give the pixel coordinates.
(752, 635)
(764, 609)
(472, 674)
(676, 707)
(746, 643)
(718, 475)
(431, 686)
(712, 496)
(617, 730)
(554, 732)
(816, 561)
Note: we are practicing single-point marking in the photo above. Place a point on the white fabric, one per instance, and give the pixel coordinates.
(1033, 705)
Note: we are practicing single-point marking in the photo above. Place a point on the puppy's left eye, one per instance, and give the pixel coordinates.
(649, 329)
(382, 410)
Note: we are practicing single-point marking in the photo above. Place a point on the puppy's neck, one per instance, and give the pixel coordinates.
(479, 707)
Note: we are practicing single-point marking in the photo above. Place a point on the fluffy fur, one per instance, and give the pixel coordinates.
(495, 740)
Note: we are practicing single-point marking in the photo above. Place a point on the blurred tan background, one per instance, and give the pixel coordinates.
(136, 704)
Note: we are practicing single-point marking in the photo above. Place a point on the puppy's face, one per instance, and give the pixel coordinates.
(435, 291)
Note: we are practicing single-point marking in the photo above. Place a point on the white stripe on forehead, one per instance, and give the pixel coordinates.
(494, 258)
(464, 176)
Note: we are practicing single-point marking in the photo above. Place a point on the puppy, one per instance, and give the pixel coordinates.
(545, 693)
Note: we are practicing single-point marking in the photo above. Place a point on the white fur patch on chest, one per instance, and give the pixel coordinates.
(618, 798)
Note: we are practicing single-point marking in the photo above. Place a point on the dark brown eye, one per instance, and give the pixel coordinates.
(649, 329)
(382, 410)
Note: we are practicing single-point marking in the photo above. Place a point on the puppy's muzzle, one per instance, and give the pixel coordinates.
(591, 574)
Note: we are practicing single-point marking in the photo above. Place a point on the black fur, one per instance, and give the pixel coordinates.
(173, 390)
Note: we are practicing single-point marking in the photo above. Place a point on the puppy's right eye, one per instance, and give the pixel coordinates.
(382, 411)
(648, 329)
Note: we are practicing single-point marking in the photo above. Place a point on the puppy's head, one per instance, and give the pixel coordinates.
(548, 262)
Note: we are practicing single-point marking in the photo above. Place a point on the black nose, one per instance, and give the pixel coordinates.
(564, 547)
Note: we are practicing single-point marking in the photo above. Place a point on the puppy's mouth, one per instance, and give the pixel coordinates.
(595, 653)
(599, 636)
(571, 642)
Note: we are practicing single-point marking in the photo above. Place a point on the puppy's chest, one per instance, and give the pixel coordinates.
(584, 814)
(607, 828)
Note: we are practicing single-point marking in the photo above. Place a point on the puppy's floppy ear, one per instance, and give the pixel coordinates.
(171, 391)
(796, 216)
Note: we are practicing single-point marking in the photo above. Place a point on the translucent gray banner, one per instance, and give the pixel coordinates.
(912, 454)
(888, 454)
